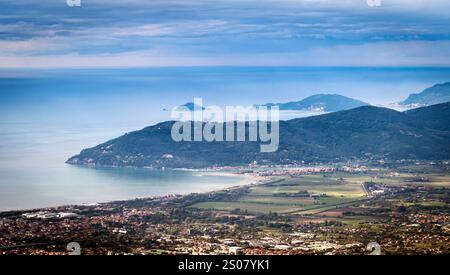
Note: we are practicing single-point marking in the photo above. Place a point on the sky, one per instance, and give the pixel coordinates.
(142, 33)
(127, 61)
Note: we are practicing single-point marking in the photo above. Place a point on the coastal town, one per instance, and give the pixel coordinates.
(289, 211)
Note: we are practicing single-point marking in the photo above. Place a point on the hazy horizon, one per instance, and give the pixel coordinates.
(143, 96)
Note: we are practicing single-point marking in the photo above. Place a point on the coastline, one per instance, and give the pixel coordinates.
(212, 223)
(252, 180)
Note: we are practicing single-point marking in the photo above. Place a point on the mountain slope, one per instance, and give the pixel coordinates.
(322, 102)
(358, 133)
(435, 116)
(368, 130)
(437, 94)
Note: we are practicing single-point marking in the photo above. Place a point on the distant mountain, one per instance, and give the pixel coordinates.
(191, 106)
(439, 93)
(321, 102)
(364, 132)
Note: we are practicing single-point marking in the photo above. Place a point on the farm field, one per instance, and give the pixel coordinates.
(323, 192)
(317, 193)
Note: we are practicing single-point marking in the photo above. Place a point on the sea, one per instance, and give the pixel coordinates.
(33, 172)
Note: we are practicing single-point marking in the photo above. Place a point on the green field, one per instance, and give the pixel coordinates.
(338, 190)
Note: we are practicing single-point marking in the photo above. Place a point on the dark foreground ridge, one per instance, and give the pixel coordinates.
(364, 133)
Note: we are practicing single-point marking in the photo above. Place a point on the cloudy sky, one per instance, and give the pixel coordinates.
(136, 33)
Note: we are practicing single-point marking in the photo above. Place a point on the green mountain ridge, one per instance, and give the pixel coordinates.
(363, 132)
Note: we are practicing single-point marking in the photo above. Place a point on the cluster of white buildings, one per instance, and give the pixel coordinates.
(49, 215)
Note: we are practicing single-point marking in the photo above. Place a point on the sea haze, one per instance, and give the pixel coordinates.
(146, 96)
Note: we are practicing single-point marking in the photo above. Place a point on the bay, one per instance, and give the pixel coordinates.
(33, 173)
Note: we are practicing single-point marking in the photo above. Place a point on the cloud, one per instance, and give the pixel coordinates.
(188, 32)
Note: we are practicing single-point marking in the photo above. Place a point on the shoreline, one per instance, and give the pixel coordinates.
(252, 180)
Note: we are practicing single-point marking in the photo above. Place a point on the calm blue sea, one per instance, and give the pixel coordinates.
(33, 173)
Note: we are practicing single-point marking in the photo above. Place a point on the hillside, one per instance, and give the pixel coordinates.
(362, 132)
(436, 116)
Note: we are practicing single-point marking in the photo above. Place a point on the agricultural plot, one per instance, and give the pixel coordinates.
(303, 195)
